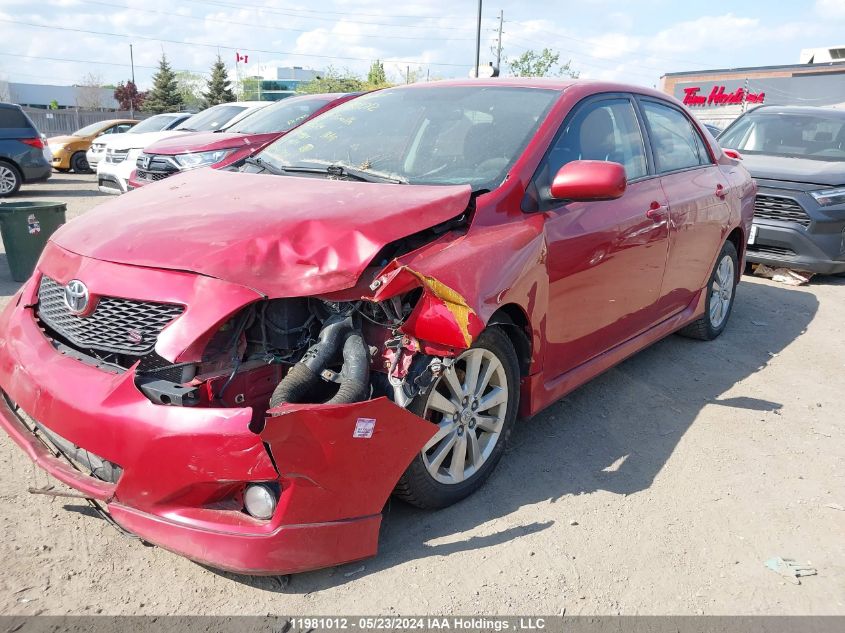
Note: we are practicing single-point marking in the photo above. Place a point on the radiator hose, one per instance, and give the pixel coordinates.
(337, 338)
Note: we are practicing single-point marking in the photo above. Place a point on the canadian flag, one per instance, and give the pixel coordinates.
(241, 58)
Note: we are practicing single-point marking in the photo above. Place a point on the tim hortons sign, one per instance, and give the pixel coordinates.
(718, 97)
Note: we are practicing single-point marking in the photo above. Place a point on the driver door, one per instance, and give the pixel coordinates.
(606, 259)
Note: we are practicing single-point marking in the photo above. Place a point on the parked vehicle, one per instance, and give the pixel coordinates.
(114, 171)
(245, 363)
(156, 123)
(234, 142)
(69, 151)
(797, 156)
(22, 151)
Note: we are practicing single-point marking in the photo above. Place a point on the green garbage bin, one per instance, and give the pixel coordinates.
(25, 228)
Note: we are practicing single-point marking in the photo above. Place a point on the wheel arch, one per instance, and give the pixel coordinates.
(737, 238)
(514, 322)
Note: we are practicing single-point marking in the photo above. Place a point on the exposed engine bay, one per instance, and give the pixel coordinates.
(308, 351)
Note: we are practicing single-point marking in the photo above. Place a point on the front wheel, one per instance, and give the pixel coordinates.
(721, 291)
(79, 163)
(474, 404)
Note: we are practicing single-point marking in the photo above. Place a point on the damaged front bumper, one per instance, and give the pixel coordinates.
(183, 469)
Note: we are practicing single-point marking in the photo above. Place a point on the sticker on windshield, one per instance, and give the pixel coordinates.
(364, 428)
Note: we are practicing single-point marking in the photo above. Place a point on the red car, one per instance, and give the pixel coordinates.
(227, 146)
(241, 367)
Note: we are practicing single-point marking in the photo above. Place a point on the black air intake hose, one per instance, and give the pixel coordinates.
(355, 376)
(300, 381)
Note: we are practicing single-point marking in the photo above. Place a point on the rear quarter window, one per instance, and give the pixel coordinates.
(13, 118)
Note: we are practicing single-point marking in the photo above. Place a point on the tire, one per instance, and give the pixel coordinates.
(428, 483)
(79, 164)
(10, 179)
(721, 293)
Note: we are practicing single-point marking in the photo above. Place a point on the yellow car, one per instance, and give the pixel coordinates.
(69, 151)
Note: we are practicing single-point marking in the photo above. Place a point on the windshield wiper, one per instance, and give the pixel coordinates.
(257, 161)
(341, 169)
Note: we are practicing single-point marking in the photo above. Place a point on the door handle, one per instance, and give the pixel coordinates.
(657, 211)
(721, 192)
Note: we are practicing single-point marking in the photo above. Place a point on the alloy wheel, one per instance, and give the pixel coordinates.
(469, 403)
(8, 180)
(721, 291)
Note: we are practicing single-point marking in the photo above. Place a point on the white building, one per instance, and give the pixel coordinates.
(821, 55)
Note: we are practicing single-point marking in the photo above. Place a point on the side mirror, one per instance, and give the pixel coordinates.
(589, 180)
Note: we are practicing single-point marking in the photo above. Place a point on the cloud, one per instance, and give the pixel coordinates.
(830, 9)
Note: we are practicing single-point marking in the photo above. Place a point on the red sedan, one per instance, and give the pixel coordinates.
(229, 145)
(241, 367)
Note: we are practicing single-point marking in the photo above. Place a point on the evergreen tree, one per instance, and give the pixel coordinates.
(165, 95)
(219, 88)
(377, 77)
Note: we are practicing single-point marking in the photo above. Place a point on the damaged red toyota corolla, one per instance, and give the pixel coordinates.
(241, 366)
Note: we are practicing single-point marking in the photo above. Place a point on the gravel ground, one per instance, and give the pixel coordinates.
(659, 488)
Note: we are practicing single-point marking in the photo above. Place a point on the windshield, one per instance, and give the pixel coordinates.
(212, 119)
(802, 135)
(88, 130)
(279, 117)
(422, 135)
(153, 124)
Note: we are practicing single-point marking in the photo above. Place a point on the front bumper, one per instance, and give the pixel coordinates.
(781, 245)
(817, 245)
(183, 467)
(114, 177)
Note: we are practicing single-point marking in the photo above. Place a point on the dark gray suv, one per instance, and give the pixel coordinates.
(797, 156)
(22, 150)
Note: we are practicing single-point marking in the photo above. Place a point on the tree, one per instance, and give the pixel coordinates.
(250, 89)
(333, 80)
(542, 64)
(218, 88)
(89, 93)
(190, 86)
(54, 105)
(164, 96)
(128, 97)
(376, 78)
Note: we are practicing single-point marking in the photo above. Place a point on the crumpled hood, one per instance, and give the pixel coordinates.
(819, 172)
(283, 236)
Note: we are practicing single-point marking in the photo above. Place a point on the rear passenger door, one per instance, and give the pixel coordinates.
(698, 210)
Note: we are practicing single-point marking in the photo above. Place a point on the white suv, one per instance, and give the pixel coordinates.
(156, 123)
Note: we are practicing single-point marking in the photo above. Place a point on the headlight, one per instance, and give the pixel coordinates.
(56, 148)
(200, 159)
(829, 197)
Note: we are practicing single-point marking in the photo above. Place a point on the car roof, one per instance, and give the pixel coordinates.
(10, 106)
(556, 84)
(810, 110)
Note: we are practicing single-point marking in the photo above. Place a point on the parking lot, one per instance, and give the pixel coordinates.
(661, 487)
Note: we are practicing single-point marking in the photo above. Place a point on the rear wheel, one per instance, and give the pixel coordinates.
(79, 164)
(474, 404)
(721, 291)
(10, 179)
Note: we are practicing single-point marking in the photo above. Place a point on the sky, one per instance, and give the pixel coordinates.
(61, 41)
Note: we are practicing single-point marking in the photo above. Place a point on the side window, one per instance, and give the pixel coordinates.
(676, 145)
(602, 130)
(13, 118)
(120, 129)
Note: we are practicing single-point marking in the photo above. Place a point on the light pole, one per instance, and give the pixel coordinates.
(478, 41)
(134, 87)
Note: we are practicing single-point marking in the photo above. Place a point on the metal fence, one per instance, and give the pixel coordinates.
(56, 122)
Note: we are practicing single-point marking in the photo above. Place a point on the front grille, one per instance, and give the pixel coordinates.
(150, 175)
(120, 326)
(783, 209)
(116, 156)
(765, 249)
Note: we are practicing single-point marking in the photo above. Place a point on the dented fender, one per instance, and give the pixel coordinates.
(340, 462)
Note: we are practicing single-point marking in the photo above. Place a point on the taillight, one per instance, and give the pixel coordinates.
(34, 142)
(732, 153)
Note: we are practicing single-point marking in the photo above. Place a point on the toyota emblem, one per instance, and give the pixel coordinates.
(76, 296)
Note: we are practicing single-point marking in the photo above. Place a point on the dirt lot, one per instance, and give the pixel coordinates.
(659, 488)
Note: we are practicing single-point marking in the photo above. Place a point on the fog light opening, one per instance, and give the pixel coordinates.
(260, 500)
